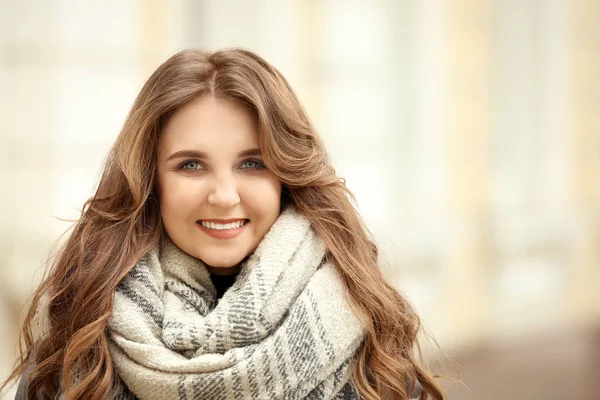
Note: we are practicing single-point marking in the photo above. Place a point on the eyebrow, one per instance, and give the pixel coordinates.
(200, 154)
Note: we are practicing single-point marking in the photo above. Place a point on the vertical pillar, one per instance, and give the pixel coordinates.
(310, 38)
(585, 145)
(467, 137)
(156, 31)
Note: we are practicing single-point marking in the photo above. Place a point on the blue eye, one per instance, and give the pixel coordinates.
(190, 166)
(253, 164)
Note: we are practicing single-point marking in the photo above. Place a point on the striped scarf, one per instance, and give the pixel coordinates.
(284, 330)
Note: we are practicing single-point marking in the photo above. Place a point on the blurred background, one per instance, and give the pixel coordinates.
(469, 131)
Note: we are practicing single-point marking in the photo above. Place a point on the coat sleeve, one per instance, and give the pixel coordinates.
(39, 327)
(415, 390)
(22, 388)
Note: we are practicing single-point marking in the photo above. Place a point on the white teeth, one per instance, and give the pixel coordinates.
(231, 225)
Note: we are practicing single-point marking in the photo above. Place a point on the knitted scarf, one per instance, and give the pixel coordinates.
(284, 330)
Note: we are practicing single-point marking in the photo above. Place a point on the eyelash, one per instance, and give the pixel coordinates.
(261, 164)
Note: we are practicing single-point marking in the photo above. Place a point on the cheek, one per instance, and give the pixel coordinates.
(266, 198)
(176, 196)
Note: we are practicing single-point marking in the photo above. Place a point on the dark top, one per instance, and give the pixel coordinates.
(222, 283)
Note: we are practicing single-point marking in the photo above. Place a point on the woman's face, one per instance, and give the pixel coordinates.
(217, 200)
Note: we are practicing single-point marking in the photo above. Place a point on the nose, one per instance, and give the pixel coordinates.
(224, 193)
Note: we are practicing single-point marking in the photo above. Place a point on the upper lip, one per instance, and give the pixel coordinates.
(223, 221)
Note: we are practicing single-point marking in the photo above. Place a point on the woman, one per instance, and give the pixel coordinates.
(220, 258)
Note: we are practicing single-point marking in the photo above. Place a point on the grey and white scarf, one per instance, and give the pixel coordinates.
(284, 330)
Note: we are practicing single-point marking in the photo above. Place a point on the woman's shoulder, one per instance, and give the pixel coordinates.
(415, 390)
(120, 392)
(22, 388)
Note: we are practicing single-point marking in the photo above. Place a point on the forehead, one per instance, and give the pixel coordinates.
(209, 124)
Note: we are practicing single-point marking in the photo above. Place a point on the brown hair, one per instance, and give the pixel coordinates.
(122, 222)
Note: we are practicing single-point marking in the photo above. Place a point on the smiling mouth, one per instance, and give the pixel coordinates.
(212, 225)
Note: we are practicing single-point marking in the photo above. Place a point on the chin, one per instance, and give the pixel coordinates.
(221, 262)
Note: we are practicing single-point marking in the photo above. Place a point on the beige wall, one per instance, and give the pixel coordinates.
(468, 129)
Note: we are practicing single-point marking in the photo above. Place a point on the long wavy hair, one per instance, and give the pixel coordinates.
(122, 221)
